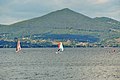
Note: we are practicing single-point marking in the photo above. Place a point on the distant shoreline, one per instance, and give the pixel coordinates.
(64, 47)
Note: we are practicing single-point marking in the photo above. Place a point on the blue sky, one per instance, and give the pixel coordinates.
(12, 11)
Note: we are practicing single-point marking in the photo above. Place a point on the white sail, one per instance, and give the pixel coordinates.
(61, 46)
(18, 47)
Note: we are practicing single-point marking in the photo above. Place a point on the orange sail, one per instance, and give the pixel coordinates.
(59, 45)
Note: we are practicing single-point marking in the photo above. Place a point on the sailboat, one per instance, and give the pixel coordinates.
(60, 47)
(18, 47)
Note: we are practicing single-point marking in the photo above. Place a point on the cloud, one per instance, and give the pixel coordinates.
(99, 1)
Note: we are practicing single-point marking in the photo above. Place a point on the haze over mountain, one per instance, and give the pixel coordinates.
(65, 21)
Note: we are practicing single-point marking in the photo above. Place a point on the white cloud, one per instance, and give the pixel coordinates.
(99, 1)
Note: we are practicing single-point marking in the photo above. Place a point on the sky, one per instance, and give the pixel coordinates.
(12, 11)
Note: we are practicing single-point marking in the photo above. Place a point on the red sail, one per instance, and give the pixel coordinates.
(59, 45)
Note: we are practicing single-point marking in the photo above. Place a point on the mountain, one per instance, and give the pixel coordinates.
(65, 22)
(2, 25)
(3, 28)
(63, 19)
(108, 20)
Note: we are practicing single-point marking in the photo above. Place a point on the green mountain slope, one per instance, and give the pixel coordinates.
(61, 19)
(114, 23)
(4, 28)
(64, 21)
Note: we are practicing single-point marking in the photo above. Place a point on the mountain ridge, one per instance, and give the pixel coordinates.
(60, 22)
(62, 18)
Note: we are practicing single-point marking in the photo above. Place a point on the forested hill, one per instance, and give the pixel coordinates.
(63, 22)
(64, 18)
(110, 21)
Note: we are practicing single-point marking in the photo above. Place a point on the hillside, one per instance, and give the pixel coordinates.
(63, 22)
(114, 23)
(64, 18)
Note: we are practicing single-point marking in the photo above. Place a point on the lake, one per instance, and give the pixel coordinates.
(71, 64)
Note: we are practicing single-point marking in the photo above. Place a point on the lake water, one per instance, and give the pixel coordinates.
(71, 64)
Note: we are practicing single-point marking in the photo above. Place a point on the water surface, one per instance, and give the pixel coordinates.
(71, 64)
